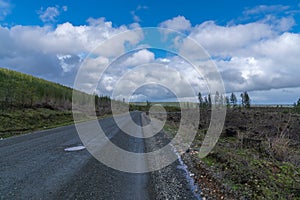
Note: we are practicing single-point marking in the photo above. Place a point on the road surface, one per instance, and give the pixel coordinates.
(36, 166)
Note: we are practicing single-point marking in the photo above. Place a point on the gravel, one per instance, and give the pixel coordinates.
(36, 166)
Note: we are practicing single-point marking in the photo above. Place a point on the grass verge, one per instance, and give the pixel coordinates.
(15, 122)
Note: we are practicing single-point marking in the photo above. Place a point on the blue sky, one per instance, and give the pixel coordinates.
(255, 44)
(150, 13)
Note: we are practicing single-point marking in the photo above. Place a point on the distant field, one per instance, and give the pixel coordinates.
(170, 104)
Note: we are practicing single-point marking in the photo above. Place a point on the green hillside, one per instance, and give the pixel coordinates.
(28, 103)
(24, 91)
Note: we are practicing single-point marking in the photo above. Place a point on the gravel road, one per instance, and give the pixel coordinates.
(36, 166)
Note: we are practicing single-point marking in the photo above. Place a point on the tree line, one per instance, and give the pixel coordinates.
(219, 99)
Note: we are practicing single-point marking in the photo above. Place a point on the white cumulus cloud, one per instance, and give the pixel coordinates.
(138, 58)
(179, 23)
(252, 56)
(56, 53)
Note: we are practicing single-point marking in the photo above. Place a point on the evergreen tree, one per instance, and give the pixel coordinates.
(227, 102)
(205, 102)
(233, 100)
(209, 101)
(245, 99)
(200, 99)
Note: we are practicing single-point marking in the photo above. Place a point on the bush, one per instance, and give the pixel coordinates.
(279, 148)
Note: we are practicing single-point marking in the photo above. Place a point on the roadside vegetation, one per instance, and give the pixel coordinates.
(28, 103)
(257, 155)
(17, 121)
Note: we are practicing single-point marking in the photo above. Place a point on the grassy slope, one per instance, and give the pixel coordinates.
(20, 91)
(28, 103)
